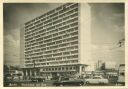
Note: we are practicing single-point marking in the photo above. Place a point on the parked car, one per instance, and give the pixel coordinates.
(37, 79)
(96, 80)
(69, 82)
(121, 76)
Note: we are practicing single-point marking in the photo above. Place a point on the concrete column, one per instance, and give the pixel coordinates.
(35, 73)
(80, 70)
(26, 73)
(23, 73)
(30, 72)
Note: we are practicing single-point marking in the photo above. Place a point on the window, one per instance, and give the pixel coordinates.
(52, 68)
(59, 68)
(62, 68)
(55, 68)
(122, 73)
(59, 8)
(96, 78)
(73, 52)
(71, 68)
(67, 68)
(75, 42)
(74, 67)
(74, 24)
(49, 69)
(74, 5)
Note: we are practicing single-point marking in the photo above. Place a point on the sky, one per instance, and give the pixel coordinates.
(107, 28)
(15, 15)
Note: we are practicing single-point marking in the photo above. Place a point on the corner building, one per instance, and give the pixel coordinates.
(57, 42)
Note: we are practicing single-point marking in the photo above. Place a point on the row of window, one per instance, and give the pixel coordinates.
(64, 57)
(52, 21)
(57, 46)
(51, 13)
(73, 47)
(70, 27)
(50, 42)
(59, 68)
(43, 50)
(53, 57)
(50, 25)
(52, 63)
(53, 41)
(68, 32)
(52, 37)
(61, 26)
(51, 54)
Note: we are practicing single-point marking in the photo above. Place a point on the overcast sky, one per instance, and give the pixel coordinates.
(107, 28)
(15, 15)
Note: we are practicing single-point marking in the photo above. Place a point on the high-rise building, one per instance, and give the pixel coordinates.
(57, 42)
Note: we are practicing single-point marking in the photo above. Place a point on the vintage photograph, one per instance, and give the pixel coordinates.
(63, 44)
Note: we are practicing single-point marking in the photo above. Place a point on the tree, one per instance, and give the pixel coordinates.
(6, 69)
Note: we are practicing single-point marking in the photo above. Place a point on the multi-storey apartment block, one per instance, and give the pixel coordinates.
(57, 42)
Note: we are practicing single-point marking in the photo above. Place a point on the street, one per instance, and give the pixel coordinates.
(49, 83)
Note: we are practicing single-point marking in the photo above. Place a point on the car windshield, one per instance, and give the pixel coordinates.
(96, 78)
(64, 78)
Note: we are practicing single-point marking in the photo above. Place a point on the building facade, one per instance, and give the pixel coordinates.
(57, 42)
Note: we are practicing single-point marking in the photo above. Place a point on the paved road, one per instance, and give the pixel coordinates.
(48, 84)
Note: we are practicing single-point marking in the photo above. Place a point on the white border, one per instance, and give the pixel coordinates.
(61, 1)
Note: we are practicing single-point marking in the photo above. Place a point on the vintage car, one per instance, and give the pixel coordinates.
(37, 79)
(69, 82)
(96, 80)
